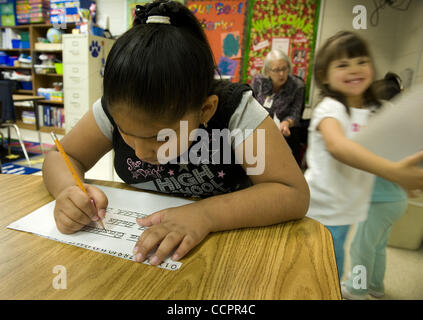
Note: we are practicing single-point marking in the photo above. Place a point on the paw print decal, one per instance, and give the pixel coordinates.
(95, 49)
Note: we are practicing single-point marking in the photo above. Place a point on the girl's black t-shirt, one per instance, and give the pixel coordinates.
(212, 176)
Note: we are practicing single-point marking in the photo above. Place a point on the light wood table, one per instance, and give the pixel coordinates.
(293, 260)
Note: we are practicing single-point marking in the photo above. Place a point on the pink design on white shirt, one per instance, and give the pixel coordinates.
(144, 169)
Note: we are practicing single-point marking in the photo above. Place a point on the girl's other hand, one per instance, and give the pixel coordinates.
(180, 228)
(74, 208)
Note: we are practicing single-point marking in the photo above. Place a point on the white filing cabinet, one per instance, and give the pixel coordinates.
(83, 59)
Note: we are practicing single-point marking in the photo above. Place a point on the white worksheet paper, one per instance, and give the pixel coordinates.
(122, 230)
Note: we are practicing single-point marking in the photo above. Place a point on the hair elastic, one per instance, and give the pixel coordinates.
(158, 19)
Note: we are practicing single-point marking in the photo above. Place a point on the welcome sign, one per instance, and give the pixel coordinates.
(288, 25)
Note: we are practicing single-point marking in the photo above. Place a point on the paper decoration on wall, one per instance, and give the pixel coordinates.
(281, 44)
(230, 45)
(261, 45)
(290, 25)
(227, 66)
(223, 23)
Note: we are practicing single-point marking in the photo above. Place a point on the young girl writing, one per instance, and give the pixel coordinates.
(160, 75)
(339, 169)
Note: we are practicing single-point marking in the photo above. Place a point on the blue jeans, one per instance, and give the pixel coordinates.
(339, 236)
(368, 248)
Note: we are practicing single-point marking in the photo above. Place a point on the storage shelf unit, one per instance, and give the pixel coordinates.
(14, 68)
(38, 80)
(14, 50)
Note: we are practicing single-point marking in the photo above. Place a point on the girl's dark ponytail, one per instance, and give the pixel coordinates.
(180, 16)
(159, 8)
(163, 65)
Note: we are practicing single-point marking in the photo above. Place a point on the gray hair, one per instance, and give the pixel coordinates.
(274, 55)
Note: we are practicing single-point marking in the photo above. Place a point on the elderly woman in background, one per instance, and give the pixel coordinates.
(282, 94)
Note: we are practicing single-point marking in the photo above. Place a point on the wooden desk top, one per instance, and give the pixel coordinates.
(23, 97)
(294, 260)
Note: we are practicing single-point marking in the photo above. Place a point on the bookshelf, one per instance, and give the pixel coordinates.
(38, 80)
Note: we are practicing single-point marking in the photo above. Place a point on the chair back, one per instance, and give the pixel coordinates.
(8, 112)
(303, 105)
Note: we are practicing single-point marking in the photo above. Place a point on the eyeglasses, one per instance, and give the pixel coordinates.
(278, 70)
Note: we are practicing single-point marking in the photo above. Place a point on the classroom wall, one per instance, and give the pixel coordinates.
(396, 42)
(338, 15)
(115, 9)
(408, 44)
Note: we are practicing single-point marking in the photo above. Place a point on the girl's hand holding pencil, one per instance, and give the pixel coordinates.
(74, 208)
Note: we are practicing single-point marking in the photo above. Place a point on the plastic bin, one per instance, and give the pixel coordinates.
(97, 31)
(4, 58)
(42, 69)
(26, 85)
(16, 43)
(59, 68)
(44, 92)
(407, 232)
(11, 61)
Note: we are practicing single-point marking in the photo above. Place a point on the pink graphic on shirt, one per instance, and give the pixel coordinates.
(144, 169)
(221, 174)
(355, 127)
(171, 173)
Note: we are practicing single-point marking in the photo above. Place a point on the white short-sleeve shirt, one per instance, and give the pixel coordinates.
(339, 194)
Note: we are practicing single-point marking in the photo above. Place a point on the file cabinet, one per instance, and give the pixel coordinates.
(84, 57)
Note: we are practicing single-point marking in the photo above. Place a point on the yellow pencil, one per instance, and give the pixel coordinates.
(72, 170)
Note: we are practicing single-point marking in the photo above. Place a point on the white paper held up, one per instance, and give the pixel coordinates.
(397, 132)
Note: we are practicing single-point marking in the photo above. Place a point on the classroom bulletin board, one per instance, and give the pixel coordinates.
(224, 24)
(242, 32)
(289, 25)
(130, 9)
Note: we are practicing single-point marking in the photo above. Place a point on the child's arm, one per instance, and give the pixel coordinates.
(405, 172)
(85, 144)
(280, 193)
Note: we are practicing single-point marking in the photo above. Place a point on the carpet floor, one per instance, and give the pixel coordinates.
(15, 162)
